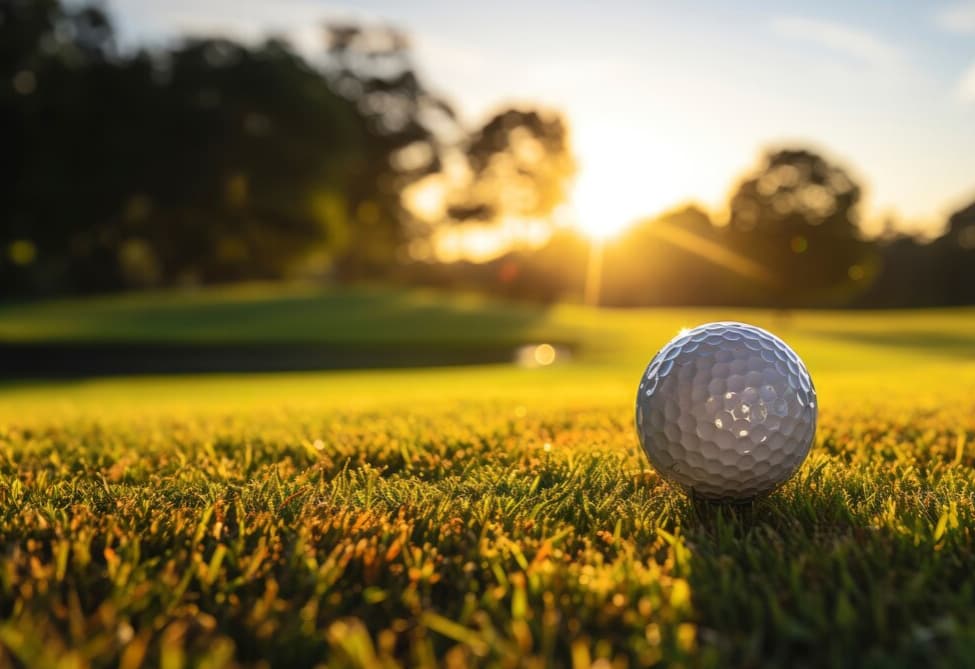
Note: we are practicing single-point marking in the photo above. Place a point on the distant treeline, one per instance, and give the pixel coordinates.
(682, 258)
(210, 161)
(792, 239)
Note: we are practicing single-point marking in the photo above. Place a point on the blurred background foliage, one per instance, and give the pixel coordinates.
(213, 161)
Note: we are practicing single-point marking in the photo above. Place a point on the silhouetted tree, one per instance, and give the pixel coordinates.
(213, 161)
(255, 157)
(519, 165)
(938, 272)
(208, 161)
(798, 215)
(407, 123)
(959, 255)
(55, 67)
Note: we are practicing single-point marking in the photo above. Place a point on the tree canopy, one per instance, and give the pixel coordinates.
(797, 215)
(214, 160)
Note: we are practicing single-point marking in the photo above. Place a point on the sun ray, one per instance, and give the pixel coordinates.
(713, 252)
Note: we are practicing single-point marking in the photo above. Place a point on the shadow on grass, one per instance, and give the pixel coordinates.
(242, 331)
(75, 360)
(814, 577)
(312, 316)
(944, 343)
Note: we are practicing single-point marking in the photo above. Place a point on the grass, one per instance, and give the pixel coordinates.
(263, 313)
(492, 516)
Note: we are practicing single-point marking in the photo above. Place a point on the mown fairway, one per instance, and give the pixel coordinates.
(484, 515)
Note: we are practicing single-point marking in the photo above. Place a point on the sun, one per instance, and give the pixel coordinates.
(598, 210)
(613, 189)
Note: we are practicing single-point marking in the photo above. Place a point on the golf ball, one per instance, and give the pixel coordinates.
(726, 411)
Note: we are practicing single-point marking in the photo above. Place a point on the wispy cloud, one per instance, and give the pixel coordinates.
(957, 18)
(960, 18)
(840, 38)
(966, 85)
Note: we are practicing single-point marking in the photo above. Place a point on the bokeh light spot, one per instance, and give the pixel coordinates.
(533, 356)
(25, 82)
(544, 354)
(22, 252)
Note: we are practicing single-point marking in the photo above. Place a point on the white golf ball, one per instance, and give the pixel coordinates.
(726, 411)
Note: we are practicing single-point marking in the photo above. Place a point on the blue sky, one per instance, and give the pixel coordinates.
(671, 101)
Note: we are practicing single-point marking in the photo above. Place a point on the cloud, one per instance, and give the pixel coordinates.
(960, 18)
(840, 38)
(957, 18)
(966, 85)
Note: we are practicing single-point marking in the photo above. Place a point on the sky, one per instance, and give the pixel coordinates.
(671, 101)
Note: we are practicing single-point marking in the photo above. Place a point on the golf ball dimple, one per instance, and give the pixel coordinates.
(726, 411)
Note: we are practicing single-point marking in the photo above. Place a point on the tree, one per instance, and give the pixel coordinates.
(798, 216)
(214, 160)
(372, 67)
(208, 161)
(519, 164)
(52, 66)
(957, 248)
(252, 156)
